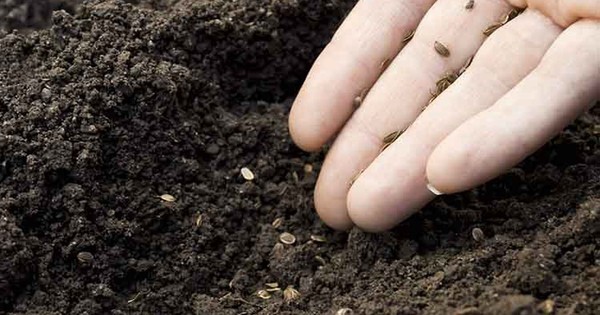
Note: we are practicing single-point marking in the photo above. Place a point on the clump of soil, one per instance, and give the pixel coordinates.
(122, 103)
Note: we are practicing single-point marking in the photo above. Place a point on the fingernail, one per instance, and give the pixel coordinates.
(434, 190)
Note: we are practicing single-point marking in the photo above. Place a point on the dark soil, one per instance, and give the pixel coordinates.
(120, 103)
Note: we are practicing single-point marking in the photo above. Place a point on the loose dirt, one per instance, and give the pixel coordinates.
(116, 105)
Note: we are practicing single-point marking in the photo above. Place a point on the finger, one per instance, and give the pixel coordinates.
(563, 85)
(400, 94)
(394, 185)
(352, 62)
(563, 12)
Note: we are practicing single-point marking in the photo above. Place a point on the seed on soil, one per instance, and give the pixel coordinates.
(344, 311)
(321, 260)
(318, 238)
(546, 307)
(263, 294)
(467, 311)
(470, 4)
(272, 284)
(278, 250)
(308, 168)
(247, 174)
(408, 36)
(290, 294)
(85, 257)
(167, 198)
(277, 222)
(287, 238)
(477, 234)
(441, 49)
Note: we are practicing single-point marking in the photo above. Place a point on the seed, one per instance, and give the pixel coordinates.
(308, 168)
(470, 4)
(273, 289)
(272, 284)
(477, 234)
(167, 198)
(355, 177)
(441, 49)
(467, 311)
(318, 238)
(287, 238)
(546, 307)
(360, 98)
(263, 294)
(344, 311)
(321, 260)
(408, 36)
(199, 220)
(290, 294)
(85, 257)
(278, 250)
(277, 222)
(390, 138)
(492, 28)
(247, 173)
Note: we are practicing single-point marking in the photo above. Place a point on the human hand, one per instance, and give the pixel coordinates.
(527, 81)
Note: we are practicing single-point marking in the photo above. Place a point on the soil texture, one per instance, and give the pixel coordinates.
(125, 125)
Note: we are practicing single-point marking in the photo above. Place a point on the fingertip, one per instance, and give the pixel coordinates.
(447, 170)
(364, 211)
(304, 134)
(335, 217)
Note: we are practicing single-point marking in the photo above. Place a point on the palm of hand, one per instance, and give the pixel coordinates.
(468, 96)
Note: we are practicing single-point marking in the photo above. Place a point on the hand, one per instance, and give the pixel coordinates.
(527, 81)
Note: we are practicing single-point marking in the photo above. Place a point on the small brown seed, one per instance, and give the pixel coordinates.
(392, 136)
(492, 28)
(278, 250)
(318, 238)
(477, 234)
(360, 98)
(263, 294)
(167, 198)
(441, 49)
(470, 4)
(287, 238)
(273, 289)
(321, 260)
(384, 64)
(290, 294)
(272, 284)
(467, 311)
(546, 307)
(85, 257)
(408, 36)
(308, 168)
(277, 222)
(199, 220)
(247, 174)
(344, 311)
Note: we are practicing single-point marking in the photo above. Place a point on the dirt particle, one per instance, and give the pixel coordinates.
(287, 238)
(441, 49)
(213, 149)
(308, 168)
(546, 307)
(467, 311)
(247, 174)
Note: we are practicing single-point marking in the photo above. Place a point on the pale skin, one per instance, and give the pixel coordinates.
(528, 80)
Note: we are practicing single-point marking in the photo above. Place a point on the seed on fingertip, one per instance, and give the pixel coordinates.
(434, 190)
(441, 49)
(408, 36)
(470, 4)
